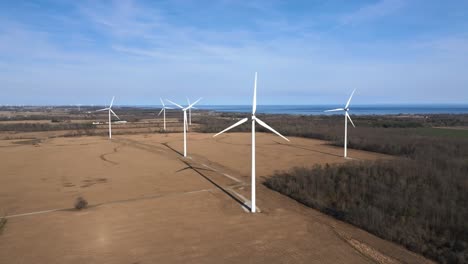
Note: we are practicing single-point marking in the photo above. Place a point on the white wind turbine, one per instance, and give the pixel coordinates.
(110, 111)
(184, 109)
(163, 110)
(347, 116)
(190, 113)
(254, 120)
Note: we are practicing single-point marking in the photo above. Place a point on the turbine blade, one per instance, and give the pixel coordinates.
(162, 102)
(334, 110)
(349, 117)
(112, 102)
(233, 126)
(104, 109)
(349, 100)
(178, 105)
(254, 103)
(270, 128)
(190, 106)
(188, 101)
(162, 109)
(168, 107)
(114, 114)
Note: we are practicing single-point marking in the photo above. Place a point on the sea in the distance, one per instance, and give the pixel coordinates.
(354, 109)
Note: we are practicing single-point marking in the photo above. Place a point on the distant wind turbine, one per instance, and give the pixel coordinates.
(190, 113)
(347, 116)
(254, 120)
(163, 110)
(110, 111)
(185, 121)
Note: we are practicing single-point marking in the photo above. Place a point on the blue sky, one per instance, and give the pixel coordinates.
(305, 52)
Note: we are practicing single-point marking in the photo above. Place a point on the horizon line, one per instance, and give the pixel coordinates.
(200, 105)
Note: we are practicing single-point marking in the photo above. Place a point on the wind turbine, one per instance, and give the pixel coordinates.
(254, 120)
(163, 110)
(347, 116)
(110, 111)
(189, 113)
(185, 121)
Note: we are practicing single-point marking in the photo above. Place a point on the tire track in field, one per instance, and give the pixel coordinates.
(103, 156)
(143, 146)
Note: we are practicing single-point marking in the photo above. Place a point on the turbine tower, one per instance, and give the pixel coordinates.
(110, 111)
(347, 116)
(254, 120)
(184, 110)
(163, 110)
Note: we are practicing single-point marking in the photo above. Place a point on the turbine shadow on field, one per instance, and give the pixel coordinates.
(193, 168)
(216, 185)
(221, 141)
(173, 149)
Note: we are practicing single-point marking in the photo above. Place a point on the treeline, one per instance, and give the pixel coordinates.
(374, 121)
(419, 200)
(403, 139)
(63, 114)
(34, 127)
(33, 117)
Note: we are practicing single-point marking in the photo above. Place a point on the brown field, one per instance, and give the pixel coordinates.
(147, 204)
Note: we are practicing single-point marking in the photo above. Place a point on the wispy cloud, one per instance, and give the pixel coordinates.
(379, 9)
(136, 46)
(122, 19)
(20, 43)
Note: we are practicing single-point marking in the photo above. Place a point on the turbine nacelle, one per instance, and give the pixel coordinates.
(184, 110)
(191, 105)
(164, 107)
(163, 110)
(109, 109)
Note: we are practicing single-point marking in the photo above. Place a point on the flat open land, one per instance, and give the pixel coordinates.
(149, 204)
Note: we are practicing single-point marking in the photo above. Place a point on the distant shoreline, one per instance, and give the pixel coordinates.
(359, 110)
(399, 110)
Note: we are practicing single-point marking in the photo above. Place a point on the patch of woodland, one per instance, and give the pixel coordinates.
(419, 200)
